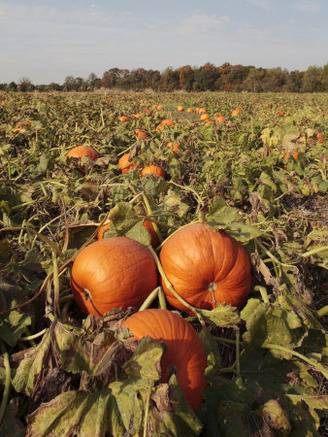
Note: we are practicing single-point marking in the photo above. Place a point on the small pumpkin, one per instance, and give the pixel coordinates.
(180, 108)
(154, 170)
(205, 267)
(125, 164)
(124, 118)
(112, 273)
(80, 151)
(23, 124)
(174, 147)
(184, 349)
(204, 117)
(236, 112)
(220, 118)
(320, 138)
(141, 134)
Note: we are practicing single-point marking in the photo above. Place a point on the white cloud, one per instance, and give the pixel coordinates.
(265, 4)
(307, 5)
(202, 23)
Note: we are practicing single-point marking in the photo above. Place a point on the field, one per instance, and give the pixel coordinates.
(251, 165)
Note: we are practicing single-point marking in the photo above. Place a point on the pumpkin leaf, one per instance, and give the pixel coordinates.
(145, 362)
(77, 412)
(139, 233)
(31, 365)
(222, 315)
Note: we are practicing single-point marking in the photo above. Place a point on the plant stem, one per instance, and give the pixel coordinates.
(34, 336)
(42, 237)
(149, 300)
(56, 284)
(151, 214)
(6, 391)
(161, 298)
(314, 251)
(263, 292)
(237, 350)
(311, 362)
(169, 286)
(147, 409)
(323, 311)
(225, 340)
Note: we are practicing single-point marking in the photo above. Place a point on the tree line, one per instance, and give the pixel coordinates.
(208, 77)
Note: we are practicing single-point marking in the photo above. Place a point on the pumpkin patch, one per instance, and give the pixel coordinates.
(195, 221)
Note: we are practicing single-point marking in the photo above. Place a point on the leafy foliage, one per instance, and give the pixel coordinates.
(267, 364)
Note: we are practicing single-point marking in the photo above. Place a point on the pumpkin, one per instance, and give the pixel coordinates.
(172, 146)
(204, 117)
(141, 134)
(190, 110)
(205, 268)
(320, 137)
(80, 151)
(125, 164)
(124, 118)
(154, 170)
(180, 108)
(220, 118)
(21, 124)
(184, 349)
(294, 155)
(112, 273)
(146, 224)
(167, 122)
(236, 112)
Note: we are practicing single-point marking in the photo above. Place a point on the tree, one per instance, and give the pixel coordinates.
(25, 85)
(186, 77)
(206, 77)
(312, 80)
(169, 79)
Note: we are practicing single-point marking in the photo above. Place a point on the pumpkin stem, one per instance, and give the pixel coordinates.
(212, 287)
(88, 296)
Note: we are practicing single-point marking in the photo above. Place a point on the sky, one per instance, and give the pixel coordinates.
(46, 41)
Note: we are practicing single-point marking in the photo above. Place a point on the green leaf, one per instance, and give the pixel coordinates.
(145, 362)
(139, 233)
(31, 365)
(223, 315)
(212, 352)
(173, 204)
(41, 168)
(77, 413)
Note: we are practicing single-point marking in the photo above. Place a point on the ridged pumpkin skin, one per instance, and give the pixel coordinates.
(184, 349)
(117, 272)
(155, 170)
(205, 267)
(79, 151)
(125, 165)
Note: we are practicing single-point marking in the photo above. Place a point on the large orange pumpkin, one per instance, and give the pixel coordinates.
(154, 170)
(80, 151)
(125, 164)
(112, 273)
(184, 349)
(205, 267)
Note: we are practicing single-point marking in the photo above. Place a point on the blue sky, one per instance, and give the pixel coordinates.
(49, 40)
